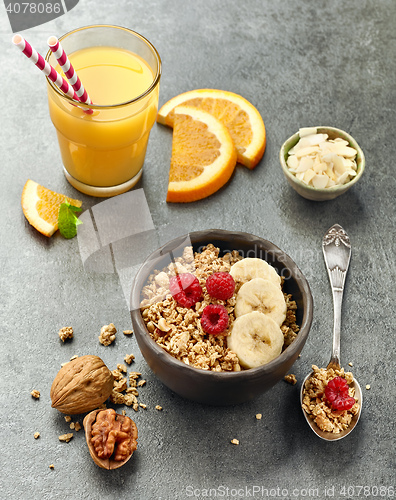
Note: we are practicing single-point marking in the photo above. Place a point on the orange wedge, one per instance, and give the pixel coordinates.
(242, 119)
(41, 206)
(203, 155)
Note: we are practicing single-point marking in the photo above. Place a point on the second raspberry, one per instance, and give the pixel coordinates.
(220, 285)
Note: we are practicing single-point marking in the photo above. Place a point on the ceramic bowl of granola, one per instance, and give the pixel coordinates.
(321, 163)
(219, 316)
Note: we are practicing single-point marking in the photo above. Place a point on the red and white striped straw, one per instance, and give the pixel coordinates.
(44, 66)
(68, 69)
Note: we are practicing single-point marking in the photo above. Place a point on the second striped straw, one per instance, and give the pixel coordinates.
(68, 70)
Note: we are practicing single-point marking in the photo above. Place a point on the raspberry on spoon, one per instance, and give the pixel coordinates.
(185, 289)
(337, 395)
(214, 319)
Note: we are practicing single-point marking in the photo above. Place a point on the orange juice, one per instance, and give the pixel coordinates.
(103, 152)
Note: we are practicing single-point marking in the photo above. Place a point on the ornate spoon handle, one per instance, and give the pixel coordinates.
(337, 254)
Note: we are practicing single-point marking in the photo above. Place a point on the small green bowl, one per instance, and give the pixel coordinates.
(312, 193)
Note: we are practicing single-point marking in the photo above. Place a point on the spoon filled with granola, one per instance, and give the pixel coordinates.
(331, 398)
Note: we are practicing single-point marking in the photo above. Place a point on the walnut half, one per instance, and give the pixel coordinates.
(111, 438)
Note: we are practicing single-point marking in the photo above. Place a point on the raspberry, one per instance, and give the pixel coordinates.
(337, 395)
(220, 285)
(185, 289)
(214, 319)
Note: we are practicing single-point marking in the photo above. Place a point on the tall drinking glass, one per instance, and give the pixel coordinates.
(103, 151)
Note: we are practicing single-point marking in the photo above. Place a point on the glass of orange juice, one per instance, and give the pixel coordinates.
(103, 150)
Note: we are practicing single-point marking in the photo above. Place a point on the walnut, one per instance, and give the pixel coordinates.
(81, 385)
(111, 438)
(107, 334)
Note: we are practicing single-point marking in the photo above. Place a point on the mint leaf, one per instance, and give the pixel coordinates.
(67, 221)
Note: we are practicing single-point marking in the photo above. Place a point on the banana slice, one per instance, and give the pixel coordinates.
(262, 296)
(247, 269)
(256, 339)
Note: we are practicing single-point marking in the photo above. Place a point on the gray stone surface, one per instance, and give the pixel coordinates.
(301, 63)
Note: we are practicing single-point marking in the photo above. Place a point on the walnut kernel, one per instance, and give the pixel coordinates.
(111, 438)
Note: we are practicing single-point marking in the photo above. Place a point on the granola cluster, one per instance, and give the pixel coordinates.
(178, 330)
(107, 334)
(122, 394)
(65, 333)
(315, 404)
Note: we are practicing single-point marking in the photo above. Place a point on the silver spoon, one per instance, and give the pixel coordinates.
(337, 254)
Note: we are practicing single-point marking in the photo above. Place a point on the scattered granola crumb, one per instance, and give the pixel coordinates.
(121, 385)
(259, 416)
(143, 406)
(121, 367)
(36, 435)
(127, 332)
(123, 412)
(77, 426)
(316, 405)
(117, 375)
(35, 394)
(66, 437)
(107, 334)
(350, 364)
(52, 466)
(122, 394)
(134, 376)
(129, 358)
(368, 387)
(68, 418)
(65, 333)
(158, 407)
(235, 441)
(290, 379)
(72, 425)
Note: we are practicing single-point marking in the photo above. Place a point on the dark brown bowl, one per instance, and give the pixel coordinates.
(224, 388)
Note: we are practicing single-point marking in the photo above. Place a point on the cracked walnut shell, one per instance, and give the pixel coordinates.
(111, 438)
(81, 385)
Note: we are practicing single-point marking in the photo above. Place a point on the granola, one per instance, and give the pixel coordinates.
(107, 334)
(65, 333)
(129, 358)
(316, 405)
(122, 394)
(66, 437)
(290, 379)
(178, 329)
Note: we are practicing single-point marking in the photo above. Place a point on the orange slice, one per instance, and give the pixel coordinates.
(203, 155)
(41, 206)
(242, 119)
